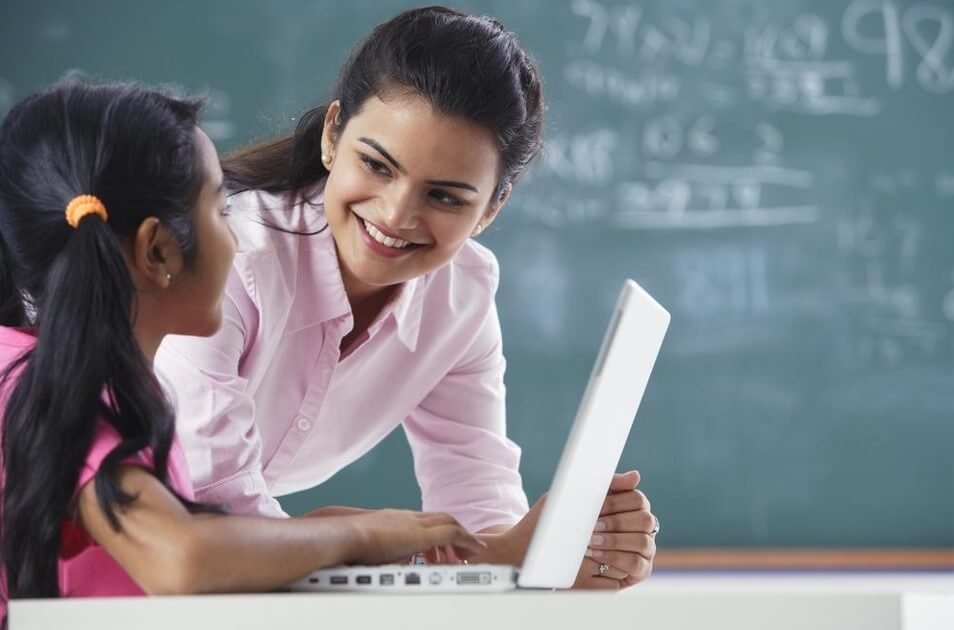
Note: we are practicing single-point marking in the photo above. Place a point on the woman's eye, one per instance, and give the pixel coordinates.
(376, 167)
(446, 198)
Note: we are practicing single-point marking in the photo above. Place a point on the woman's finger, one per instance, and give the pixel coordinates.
(643, 544)
(625, 502)
(627, 562)
(622, 482)
(590, 577)
(641, 521)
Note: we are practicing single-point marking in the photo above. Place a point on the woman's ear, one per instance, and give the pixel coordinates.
(156, 256)
(329, 134)
(493, 210)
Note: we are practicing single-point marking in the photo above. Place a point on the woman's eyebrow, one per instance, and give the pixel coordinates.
(444, 182)
(374, 144)
(377, 147)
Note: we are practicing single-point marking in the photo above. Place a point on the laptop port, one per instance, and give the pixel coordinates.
(312, 580)
(363, 579)
(339, 579)
(386, 579)
(412, 578)
(435, 578)
(470, 578)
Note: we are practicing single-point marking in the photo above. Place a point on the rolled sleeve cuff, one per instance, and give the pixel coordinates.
(244, 493)
(480, 505)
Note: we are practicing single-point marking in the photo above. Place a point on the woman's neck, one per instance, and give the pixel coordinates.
(366, 303)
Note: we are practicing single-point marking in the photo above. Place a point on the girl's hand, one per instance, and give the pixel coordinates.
(392, 536)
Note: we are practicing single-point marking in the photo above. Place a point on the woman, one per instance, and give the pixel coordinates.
(113, 236)
(333, 337)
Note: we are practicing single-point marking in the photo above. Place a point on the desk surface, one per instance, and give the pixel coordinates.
(667, 601)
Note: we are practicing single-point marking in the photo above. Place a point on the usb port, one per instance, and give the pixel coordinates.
(312, 580)
(363, 579)
(386, 579)
(339, 579)
(412, 578)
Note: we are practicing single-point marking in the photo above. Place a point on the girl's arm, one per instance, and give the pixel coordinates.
(166, 550)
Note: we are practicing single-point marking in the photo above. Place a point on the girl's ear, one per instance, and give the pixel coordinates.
(156, 257)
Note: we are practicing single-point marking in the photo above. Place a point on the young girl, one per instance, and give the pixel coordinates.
(334, 337)
(112, 216)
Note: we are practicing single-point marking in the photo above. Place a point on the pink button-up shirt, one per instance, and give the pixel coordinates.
(268, 406)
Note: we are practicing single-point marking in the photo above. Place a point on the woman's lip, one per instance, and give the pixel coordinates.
(385, 232)
(380, 248)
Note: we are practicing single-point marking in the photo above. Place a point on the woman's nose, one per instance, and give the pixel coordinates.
(401, 213)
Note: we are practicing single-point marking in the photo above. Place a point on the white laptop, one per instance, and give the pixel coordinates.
(589, 459)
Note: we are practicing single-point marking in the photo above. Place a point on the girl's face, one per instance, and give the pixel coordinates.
(407, 187)
(197, 292)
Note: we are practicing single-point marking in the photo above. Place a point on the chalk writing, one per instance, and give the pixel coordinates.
(582, 157)
(880, 27)
(649, 89)
(721, 281)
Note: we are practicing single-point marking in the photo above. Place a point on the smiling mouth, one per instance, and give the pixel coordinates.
(387, 241)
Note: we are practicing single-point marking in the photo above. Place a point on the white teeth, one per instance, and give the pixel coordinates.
(394, 243)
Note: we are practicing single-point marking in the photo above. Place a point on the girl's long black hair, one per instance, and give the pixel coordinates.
(133, 148)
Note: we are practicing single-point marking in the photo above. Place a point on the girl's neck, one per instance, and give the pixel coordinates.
(148, 339)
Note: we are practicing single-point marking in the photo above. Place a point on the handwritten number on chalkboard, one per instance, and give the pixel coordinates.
(931, 72)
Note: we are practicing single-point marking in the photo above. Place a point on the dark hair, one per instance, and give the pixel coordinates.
(133, 148)
(464, 65)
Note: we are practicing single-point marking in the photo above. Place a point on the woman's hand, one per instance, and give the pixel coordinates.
(389, 536)
(624, 539)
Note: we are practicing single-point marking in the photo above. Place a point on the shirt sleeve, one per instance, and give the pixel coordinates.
(465, 464)
(105, 439)
(215, 414)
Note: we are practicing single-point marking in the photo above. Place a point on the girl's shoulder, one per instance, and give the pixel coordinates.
(13, 343)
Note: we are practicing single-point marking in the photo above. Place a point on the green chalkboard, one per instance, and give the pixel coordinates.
(779, 174)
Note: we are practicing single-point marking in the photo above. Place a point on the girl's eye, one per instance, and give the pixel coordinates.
(446, 198)
(376, 167)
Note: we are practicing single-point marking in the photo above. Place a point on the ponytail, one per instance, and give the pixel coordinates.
(134, 149)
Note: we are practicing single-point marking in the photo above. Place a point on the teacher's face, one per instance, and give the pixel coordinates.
(407, 186)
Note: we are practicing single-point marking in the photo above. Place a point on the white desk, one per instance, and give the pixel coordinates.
(667, 601)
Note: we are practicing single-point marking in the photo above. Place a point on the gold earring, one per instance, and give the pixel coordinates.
(168, 277)
(326, 159)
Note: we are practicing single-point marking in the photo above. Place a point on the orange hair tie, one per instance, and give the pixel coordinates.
(82, 206)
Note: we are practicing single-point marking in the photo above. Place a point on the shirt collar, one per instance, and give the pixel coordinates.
(407, 310)
(319, 294)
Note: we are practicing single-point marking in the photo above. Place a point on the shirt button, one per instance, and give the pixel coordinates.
(304, 424)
